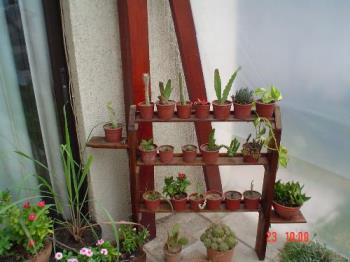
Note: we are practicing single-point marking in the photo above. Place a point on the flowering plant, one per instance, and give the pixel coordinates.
(176, 188)
(131, 240)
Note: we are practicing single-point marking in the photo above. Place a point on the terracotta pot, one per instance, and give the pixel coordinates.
(222, 111)
(179, 204)
(264, 110)
(43, 255)
(209, 157)
(166, 111)
(171, 257)
(140, 257)
(146, 111)
(166, 153)
(284, 211)
(202, 111)
(148, 157)
(195, 202)
(184, 111)
(233, 200)
(214, 199)
(113, 135)
(151, 205)
(189, 155)
(249, 159)
(251, 199)
(218, 256)
(242, 111)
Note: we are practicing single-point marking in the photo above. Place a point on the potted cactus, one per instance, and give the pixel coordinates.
(196, 199)
(222, 106)
(213, 199)
(113, 129)
(184, 108)
(146, 107)
(210, 150)
(288, 198)
(175, 189)
(202, 108)
(152, 199)
(173, 245)
(243, 102)
(251, 197)
(233, 200)
(189, 153)
(165, 107)
(220, 242)
(267, 98)
(166, 153)
(148, 151)
(232, 148)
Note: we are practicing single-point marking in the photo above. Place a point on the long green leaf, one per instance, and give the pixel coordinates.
(229, 86)
(217, 84)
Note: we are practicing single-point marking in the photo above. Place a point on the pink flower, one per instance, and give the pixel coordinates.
(26, 205)
(99, 242)
(41, 203)
(89, 253)
(72, 260)
(31, 217)
(83, 251)
(58, 256)
(104, 251)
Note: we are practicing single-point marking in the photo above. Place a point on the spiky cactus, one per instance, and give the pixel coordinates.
(219, 237)
(212, 146)
(223, 95)
(182, 96)
(233, 147)
(146, 83)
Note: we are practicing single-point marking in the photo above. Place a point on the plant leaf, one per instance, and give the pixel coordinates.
(217, 84)
(229, 86)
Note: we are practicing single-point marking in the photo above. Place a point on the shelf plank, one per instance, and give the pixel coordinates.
(100, 142)
(276, 219)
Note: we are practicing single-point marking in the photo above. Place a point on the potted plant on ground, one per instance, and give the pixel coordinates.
(184, 108)
(220, 242)
(233, 200)
(233, 147)
(165, 107)
(251, 197)
(148, 151)
(189, 153)
(288, 198)
(152, 199)
(196, 199)
(166, 153)
(243, 102)
(175, 189)
(113, 129)
(210, 150)
(222, 106)
(146, 107)
(173, 245)
(267, 98)
(202, 108)
(213, 199)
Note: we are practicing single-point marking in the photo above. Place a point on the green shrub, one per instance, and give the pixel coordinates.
(289, 194)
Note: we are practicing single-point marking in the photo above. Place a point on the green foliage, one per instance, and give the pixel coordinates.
(233, 147)
(153, 195)
(112, 115)
(290, 194)
(175, 187)
(147, 145)
(165, 92)
(174, 241)
(244, 96)
(212, 146)
(146, 83)
(222, 96)
(268, 95)
(219, 237)
(182, 95)
(131, 239)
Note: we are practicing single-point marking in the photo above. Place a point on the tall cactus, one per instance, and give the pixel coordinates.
(146, 83)
(182, 96)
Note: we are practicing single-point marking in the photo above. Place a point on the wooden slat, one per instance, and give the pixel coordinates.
(275, 219)
(100, 142)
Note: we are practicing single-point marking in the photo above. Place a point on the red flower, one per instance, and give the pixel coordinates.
(31, 243)
(31, 217)
(182, 176)
(41, 203)
(26, 205)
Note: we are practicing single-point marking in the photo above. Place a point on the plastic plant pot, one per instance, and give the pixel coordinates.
(220, 256)
(166, 153)
(148, 156)
(189, 153)
(179, 202)
(284, 211)
(184, 111)
(113, 135)
(146, 111)
(233, 200)
(264, 110)
(202, 110)
(251, 199)
(152, 203)
(222, 111)
(242, 111)
(214, 199)
(166, 111)
(195, 201)
(209, 157)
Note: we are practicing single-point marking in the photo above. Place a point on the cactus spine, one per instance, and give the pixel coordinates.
(146, 83)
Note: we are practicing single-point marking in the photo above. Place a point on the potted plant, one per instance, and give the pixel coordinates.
(251, 197)
(166, 153)
(251, 150)
(267, 98)
(175, 189)
(173, 245)
(146, 107)
(220, 242)
(243, 102)
(233, 147)
(148, 151)
(222, 106)
(288, 198)
(189, 153)
(202, 108)
(113, 129)
(210, 150)
(152, 199)
(213, 199)
(233, 200)
(196, 199)
(165, 107)
(184, 108)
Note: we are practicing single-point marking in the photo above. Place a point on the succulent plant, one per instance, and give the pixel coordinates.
(147, 145)
(233, 147)
(165, 92)
(222, 95)
(243, 96)
(174, 241)
(219, 237)
(212, 146)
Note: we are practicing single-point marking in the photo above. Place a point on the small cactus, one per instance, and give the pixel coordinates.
(146, 83)
(219, 237)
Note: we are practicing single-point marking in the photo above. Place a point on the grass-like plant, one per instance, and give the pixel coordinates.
(223, 95)
(174, 241)
(290, 194)
(268, 95)
(165, 92)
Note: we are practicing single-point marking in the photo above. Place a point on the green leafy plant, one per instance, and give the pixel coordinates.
(176, 187)
(268, 95)
(147, 91)
(223, 95)
(165, 92)
(233, 147)
(289, 194)
(112, 116)
(182, 95)
(219, 237)
(244, 96)
(131, 239)
(174, 241)
(147, 145)
(212, 146)
(153, 195)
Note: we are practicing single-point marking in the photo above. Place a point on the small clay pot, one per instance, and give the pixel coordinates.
(189, 153)
(146, 111)
(179, 203)
(195, 201)
(284, 211)
(264, 110)
(166, 111)
(184, 111)
(148, 157)
(140, 257)
(219, 256)
(214, 199)
(242, 111)
(233, 200)
(222, 111)
(202, 111)
(43, 255)
(113, 135)
(251, 199)
(150, 204)
(209, 157)
(170, 256)
(166, 153)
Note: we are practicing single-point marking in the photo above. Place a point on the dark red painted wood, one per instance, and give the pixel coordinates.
(191, 63)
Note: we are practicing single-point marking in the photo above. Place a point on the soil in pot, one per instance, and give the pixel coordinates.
(264, 110)
(251, 152)
(172, 256)
(113, 134)
(219, 256)
(202, 110)
(233, 200)
(196, 200)
(152, 200)
(179, 202)
(209, 157)
(184, 111)
(285, 211)
(189, 153)
(146, 111)
(222, 111)
(166, 153)
(148, 156)
(214, 199)
(242, 111)
(251, 199)
(166, 111)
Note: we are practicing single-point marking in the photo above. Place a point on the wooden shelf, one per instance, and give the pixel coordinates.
(100, 142)
(276, 219)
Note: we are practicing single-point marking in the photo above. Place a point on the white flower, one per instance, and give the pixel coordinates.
(58, 256)
(104, 251)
